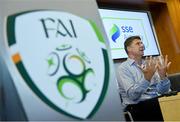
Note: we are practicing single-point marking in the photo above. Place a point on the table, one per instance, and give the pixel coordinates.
(170, 107)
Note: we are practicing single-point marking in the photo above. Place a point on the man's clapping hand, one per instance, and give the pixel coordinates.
(163, 66)
(152, 65)
(149, 67)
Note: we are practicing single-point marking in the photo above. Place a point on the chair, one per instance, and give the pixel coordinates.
(175, 82)
(127, 114)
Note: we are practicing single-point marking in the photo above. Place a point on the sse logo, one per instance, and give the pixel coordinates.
(115, 31)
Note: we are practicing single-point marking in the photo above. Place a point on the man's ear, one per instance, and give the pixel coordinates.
(129, 49)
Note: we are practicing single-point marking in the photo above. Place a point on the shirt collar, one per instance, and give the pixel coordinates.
(130, 61)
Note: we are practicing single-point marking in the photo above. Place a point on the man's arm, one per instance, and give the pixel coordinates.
(133, 89)
(163, 86)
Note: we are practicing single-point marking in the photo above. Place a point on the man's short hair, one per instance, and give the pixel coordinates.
(129, 40)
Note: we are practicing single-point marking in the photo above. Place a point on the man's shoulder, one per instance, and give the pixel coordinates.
(124, 64)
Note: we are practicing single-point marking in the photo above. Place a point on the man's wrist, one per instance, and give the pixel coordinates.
(163, 77)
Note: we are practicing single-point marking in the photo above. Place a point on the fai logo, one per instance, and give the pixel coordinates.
(62, 58)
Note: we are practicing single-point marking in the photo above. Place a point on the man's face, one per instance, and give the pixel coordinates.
(136, 48)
